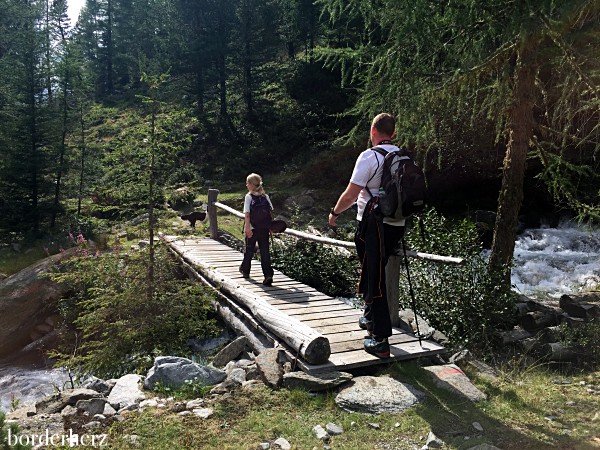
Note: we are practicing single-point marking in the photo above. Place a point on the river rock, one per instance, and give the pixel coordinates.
(270, 369)
(315, 383)
(56, 403)
(93, 406)
(230, 351)
(126, 392)
(98, 385)
(25, 297)
(174, 371)
(377, 395)
(450, 377)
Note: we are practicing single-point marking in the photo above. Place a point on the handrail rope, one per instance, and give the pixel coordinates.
(347, 244)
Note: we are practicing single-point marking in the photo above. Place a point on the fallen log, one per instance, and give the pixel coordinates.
(575, 307)
(556, 351)
(308, 343)
(537, 320)
(513, 336)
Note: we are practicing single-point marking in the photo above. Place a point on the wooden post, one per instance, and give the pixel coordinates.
(211, 210)
(392, 282)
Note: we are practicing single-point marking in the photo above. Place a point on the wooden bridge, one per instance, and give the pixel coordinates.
(317, 332)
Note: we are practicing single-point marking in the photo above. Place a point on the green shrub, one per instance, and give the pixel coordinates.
(584, 338)
(327, 269)
(465, 302)
(181, 197)
(111, 326)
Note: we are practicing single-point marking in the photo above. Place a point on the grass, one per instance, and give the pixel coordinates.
(514, 417)
(12, 262)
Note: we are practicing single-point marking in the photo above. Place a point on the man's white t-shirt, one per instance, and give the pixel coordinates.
(368, 163)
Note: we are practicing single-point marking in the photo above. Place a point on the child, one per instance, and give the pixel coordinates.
(257, 211)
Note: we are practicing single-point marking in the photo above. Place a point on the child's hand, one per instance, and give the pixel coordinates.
(248, 233)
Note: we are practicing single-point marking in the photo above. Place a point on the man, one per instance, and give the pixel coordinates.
(376, 237)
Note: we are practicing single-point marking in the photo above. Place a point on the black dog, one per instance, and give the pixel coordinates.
(193, 217)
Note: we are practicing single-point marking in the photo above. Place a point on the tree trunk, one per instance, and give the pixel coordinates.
(109, 48)
(246, 22)
(520, 132)
(200, 89)
(82, 165)
(63, 143)
(222, 84)
(48, 46)
(33, 137)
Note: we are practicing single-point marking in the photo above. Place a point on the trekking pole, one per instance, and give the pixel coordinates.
(413, 302)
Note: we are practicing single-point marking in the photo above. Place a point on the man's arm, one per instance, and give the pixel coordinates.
(346, 200)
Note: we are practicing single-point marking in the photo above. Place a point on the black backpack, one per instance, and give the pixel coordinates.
(260, 212)
(403, 189)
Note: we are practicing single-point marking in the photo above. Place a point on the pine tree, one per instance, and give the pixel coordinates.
(497, 66)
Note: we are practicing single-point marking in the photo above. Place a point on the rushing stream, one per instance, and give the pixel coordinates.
(27, 380)
(549, 262)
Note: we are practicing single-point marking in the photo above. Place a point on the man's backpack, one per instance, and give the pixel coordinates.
(260, 212)
(402, 191)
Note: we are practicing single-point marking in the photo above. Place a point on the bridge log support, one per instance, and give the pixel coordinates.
(311, 345)
(392, 283)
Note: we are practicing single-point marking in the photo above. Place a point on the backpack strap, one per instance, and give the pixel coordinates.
(383, 153)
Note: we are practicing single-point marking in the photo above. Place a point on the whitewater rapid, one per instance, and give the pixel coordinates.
(550, 262)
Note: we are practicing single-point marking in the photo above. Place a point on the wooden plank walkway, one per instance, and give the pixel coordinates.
(331, 317)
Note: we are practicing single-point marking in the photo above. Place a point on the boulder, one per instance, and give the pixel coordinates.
(582, 307)
(93, 406)
(451, 378)
(270, 369)
(98, 385)
(377, 395)
(126, 391)
(26, 297)
(56, 403)
(230, 351)
(172, 371)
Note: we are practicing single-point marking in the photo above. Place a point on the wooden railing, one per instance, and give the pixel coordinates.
(392, 270)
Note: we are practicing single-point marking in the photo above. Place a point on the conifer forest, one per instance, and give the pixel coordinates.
(185, 92)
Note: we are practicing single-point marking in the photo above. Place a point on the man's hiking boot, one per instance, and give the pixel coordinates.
(366, 324)
(377, 348)
(244, 274)
(268, 281)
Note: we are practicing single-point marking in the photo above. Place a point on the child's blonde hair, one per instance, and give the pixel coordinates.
(256, 184)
